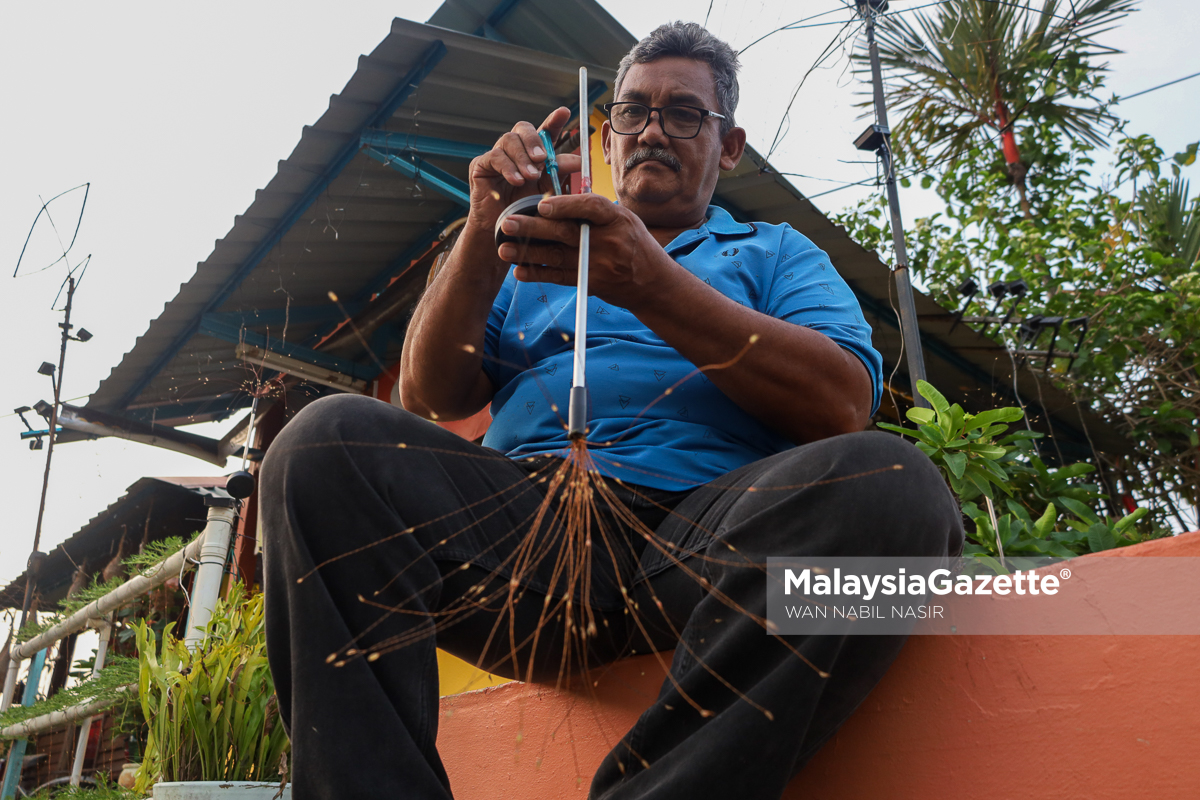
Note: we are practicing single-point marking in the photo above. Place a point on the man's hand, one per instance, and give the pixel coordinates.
(515, 168)
(625, 258)
(441, 368)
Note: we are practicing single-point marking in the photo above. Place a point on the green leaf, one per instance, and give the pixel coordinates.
(933, 434)
(1080, 510)
(988, 451)
(956, 463)
(1045, 523)
(1129, 519)
(935, 398)
(1018, 435)
(992, 416)
(921, 416)
(1100, 538)
(979, 480)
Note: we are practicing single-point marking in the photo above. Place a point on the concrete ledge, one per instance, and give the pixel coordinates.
(981, 717)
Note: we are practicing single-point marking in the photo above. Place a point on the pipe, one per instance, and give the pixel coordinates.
(207, 586)
(86, 728)
(47, 722)
(10, 683)
(102, 606)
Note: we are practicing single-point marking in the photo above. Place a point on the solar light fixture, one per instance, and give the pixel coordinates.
(20, 412)
(1080, 324)
(83, 336)
(1055, 324)
(997, 291)
(878, 6)
(872, 138)
(46, 369)
(1016, 290)
(968, 288)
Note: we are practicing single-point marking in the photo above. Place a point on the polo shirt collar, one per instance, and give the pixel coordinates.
(717, 222)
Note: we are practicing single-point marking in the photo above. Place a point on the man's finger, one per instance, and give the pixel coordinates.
(534, 228)
(524, 148)
(554, 123)
(502, 164)
(540, 255)
(528, 274)
(592, 208)
(569, 163)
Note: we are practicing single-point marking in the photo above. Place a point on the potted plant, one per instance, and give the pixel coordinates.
(214, 729)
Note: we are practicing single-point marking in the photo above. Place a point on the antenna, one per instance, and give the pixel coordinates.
(577, 411)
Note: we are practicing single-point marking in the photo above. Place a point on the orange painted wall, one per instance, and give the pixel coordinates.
(973, 717)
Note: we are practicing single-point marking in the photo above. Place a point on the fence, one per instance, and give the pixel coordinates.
(208, 552)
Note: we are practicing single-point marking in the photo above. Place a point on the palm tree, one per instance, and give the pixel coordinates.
(973, 69)
(1172, 221)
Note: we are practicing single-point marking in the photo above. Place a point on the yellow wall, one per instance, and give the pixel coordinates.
(601, 173)
(456, 676)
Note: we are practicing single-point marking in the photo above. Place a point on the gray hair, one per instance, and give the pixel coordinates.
(690, 40)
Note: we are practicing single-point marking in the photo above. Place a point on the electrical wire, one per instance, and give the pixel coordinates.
(829, 50)
(1156, 88)
(1073, 19)
(991, 138)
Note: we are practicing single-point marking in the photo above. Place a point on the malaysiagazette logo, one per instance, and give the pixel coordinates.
(865, 587)
(983, 595)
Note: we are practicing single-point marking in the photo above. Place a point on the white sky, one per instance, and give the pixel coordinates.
(177, 113)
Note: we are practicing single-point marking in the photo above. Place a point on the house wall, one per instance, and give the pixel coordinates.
(106, 754)
(1044, 717)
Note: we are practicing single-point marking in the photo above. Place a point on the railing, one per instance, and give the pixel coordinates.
(209, 552)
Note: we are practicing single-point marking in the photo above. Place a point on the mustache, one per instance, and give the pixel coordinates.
(652, 154)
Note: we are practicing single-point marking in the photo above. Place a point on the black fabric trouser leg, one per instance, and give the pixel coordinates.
(841, 497)
(336, 483)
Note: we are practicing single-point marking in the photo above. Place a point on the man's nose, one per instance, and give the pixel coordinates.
(653, 134)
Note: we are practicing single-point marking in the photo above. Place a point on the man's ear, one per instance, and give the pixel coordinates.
(605, 134)
(732, 147)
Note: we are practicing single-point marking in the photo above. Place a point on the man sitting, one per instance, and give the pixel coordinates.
(380, 528)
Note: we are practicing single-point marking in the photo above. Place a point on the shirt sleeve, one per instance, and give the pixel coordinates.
(806, 290)
(493, 363)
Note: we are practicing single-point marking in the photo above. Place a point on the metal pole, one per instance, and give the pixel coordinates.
(207, 586)
(86, 727)
(577, 409)
(36, 557)
(904, 292)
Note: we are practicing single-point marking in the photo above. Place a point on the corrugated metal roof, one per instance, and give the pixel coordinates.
(151, 509)
(370, 221)
(578, 29)
(354, 235)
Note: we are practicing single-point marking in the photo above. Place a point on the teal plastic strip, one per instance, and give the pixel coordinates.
(12, 775)
(551, 161)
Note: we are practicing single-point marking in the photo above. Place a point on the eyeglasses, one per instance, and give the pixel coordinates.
(678, 122)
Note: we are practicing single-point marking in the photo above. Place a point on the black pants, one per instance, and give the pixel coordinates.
(348, 472)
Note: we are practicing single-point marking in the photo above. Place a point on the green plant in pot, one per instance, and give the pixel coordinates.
(212, 714)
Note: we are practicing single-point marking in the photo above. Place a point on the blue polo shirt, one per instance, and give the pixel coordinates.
(636, 432)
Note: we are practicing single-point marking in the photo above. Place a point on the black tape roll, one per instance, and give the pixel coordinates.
(526, 206)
